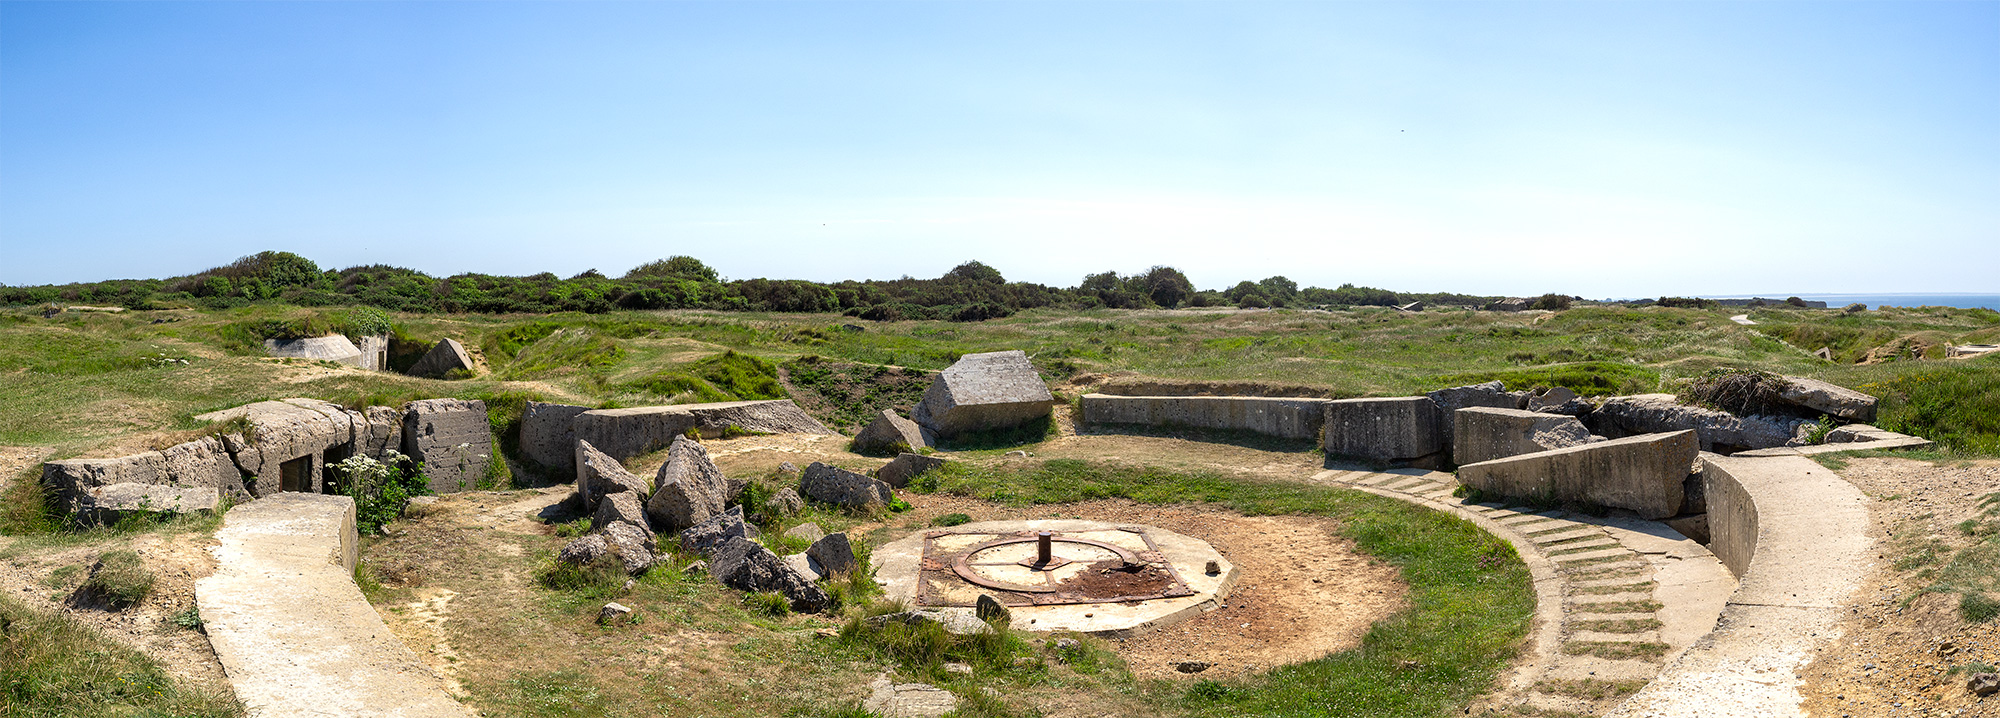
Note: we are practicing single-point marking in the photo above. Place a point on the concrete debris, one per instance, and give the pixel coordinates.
(746, 565)
(444, 357)
(843, 488)
(1400, 429)
(889, 699)
(833, 554)
(956, 621)
(1485, 433)
(688, 490)
(807, 532)
(598, 475)
(1642, 473)
(898, 472)
(889, 432)
(785, 502)
(453, 440)
(994, 390)
(704, 538)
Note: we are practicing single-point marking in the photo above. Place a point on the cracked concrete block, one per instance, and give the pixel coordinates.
(1485, 433)
(1642, 473)
(1407, 428)
(994, 390)
(452, 438)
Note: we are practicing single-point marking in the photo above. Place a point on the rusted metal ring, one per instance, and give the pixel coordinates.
(963, 567)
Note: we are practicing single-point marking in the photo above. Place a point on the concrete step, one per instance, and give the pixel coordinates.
(1374, 479)
(1579, 668)
(1597, 555)
(1530, 518)
(1594, 616)
(1633, 570)
(1580, 544)
(1550, 537)
(1603, 582)
(1602, 637)
(1580, 601)
(1545, 703)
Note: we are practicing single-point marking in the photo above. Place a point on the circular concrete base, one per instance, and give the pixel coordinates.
(899, 566)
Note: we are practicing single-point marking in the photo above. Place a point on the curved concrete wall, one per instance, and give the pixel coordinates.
(1285, 417)
(1796, 534)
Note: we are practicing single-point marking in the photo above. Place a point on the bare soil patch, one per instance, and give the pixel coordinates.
(1897, 655)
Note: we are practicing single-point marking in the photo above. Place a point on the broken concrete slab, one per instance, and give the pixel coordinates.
(993, 390)
(897, 473)
(546, 437)
(1827, 398)
(807, 532)
(1291, 418)
(453, 440)
(1491, 394)
(1408, 428)
(1622, 416)
(843, 488)
(105, 505)
(382, 431)
(704, 538)
(625, 433)
(335, 348)
(202, 463)
(444, 357)
(293, 633)
(598, 475)
(889, 433)
(1485, 433)
(688, 490)
(622, 506)
(746, 565)
(1641, 473)
(632, 544)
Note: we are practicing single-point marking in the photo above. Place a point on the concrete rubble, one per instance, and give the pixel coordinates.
(746, 565)
(1399, 429)
(625, 433)
(889, 432)
(1485, 433)
(843, 488)
(898, 472)
(1490, 394)
(598, 475)
(994, 390)
(688, 490)
(444, 357)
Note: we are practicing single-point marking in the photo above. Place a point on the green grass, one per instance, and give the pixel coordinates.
(119, 579)
(1470, 601)
(53, 667)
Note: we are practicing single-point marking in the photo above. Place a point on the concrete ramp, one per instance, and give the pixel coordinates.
(294, 633)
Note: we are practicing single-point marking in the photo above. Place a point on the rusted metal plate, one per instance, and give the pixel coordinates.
(946, 573)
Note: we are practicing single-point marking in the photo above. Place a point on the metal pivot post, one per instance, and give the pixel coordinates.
(1042, 548)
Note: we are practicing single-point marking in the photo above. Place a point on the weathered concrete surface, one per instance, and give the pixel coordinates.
(383, 431)
(1622, 416)
(1492, 394)
(1797, 535)
(444, 357)
(336, 348)
(1641, 473)
(898, 472)
(897, 562)
(453, 439)
(293, 430)
(838, 486)
(1395, 429)
(1900, 441)
(625, 433)
(889, 432)
(1485, 433)
(374, 352)
(293, 633)
(108, 504)
(199, 464)
(546, 437)
(688, 490)
(598, 475)
(1823, 397)
(994, 390)
(1284, 417)
(889, 699)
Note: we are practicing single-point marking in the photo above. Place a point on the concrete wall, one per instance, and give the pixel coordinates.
(1285, 417)
(1732, 517)
(546, 436)
(625, 433)
(1398, 429)
(1486, 433)
(453, 439)
(1642, 473)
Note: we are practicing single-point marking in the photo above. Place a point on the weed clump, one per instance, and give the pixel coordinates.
(117, 581)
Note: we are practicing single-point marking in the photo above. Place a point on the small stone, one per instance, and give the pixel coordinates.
(959, 668)
(612, 612)
(785, 502)
(1983, 684)
(1017, 454)
(1066, 643)
(990, 610)
(1192, 666)
(788, 468)
(807, 532)
(1213, 568)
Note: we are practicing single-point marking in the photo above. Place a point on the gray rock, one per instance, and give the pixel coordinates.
(383, 431)
(1485, 433)
(688, 490)
(785, 502)
(1642, 473)
(444, 357)
(704, 538)
(887, 433)
(1192, 666)
(956, 621)
(746, 565)
(1492, 393)
(632, 545)
(788, 468)
(1559, 400)
(834, 554)
(1401, 429)
(1827, 398)
(1660, 413)
(994, 390)
(613, 612)
(107, 504)
(897, 473)
(1983, 684)
(843, 488)
(546, 437)
(621, 506)
(889, 699)
(807, 532)
(1853, 433)
(625, 433)
(990, 610)
(1855, 308)
(584, 549)
(453, 440)
(598, 475)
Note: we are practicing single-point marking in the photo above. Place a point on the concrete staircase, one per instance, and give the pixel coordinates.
(1628, 595)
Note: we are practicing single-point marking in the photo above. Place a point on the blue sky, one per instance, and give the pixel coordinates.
(1595, 148)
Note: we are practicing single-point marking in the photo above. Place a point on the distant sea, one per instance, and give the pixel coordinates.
(1969, 301)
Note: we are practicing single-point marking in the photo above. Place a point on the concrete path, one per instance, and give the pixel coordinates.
(294, 633)
(1743, 319)
(1616, 599)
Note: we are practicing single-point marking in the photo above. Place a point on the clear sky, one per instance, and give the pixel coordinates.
(1594, 148)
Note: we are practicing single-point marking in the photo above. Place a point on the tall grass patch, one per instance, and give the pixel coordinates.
(51, 666)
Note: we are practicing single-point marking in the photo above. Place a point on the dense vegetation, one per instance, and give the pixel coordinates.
(970, 292)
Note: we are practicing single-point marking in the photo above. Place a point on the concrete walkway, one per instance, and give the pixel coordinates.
(294, 633)
(1616, 599)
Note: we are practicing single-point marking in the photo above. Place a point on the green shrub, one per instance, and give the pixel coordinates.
(573, 529)
(1957, 406)
(118, 580)
(1591, 378)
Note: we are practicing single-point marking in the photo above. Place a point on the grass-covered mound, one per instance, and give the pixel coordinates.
(53, 667)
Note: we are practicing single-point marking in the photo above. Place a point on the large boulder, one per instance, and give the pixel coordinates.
(1400, 429)
(833, 554)
(633, 545)
(546, 437)
(897, 473)
(1491, 394)
(622, 506)
(688, 490)
(1718, 431)
(453, 440)
(889, 433)
(443, 358)
(843, 488)
(1643, 473)
(704, 538)
(1826, 398)
(994, 390)
(785, 502)
(625, 433)
(598, 475)
(1485, 433)
(746, 565)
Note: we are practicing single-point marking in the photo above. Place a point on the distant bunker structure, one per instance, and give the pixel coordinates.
(1059, 575)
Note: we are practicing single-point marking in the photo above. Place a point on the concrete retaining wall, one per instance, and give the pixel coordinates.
(294, 634)
(1398, 429)
(1797, 536)
(625, 433)
(1285, 417)
(1643, 473)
